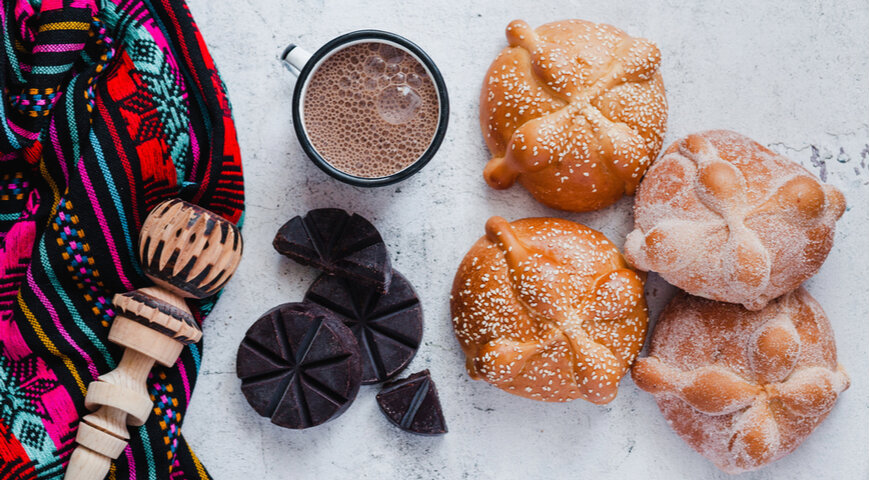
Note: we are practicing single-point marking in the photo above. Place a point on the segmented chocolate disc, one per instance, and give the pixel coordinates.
(388, 326)
(337, 243)
(299, 365)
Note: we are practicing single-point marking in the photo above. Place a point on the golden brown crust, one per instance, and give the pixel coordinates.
(743, 388)
(548, 309)
(575, 111)
(725, 218)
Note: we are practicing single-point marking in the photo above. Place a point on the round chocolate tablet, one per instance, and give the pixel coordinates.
(299, 365)
(337, 243)
(413, 405)
(388, 326)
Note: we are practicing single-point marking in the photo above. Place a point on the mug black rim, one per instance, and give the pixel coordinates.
(440, 86)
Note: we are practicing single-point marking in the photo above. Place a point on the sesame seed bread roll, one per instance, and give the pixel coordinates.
(722, 217)
(743, 388)
(574, 111)
(548, 309)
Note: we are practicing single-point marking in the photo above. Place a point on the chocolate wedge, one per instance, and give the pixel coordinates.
(412, 404)
(338, 243)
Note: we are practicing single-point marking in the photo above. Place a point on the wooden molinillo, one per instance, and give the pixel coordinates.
(188, 252)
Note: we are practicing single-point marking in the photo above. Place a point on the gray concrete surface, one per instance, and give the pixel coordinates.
(791, 74)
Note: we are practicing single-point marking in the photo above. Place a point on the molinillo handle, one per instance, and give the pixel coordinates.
(295, 58)
(188, 252)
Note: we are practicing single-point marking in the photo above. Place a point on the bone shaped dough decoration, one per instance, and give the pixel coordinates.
(722, 217)
(548, 309)
(743, 388)
(574, 111)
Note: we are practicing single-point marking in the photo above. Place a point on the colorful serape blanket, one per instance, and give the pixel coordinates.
(109, 107)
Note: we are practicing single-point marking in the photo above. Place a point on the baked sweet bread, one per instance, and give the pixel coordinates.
(548, 309)
(725, 218)
(573, 110)
(743, 388)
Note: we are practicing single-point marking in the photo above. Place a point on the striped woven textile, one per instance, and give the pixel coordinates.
(108, 108)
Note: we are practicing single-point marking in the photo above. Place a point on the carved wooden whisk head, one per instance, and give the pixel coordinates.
(189, 252)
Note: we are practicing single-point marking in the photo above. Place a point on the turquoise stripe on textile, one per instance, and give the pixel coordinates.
(50, 69)
(194, 350)
(146, 445)
(70, 116)
(9, 134)
(116, 198)
(13, 62)
(73, 312)
(10, 55)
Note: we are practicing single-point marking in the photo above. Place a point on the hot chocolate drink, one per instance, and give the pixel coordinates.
(371, 110)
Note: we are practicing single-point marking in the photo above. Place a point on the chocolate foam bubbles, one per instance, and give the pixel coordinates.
(371, 110)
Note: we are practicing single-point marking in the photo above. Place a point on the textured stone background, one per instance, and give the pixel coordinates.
(792, 75)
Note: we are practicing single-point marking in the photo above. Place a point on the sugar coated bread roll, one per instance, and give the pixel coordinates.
(725, 218)
(743, 388)
(548, 309)
(574, 111)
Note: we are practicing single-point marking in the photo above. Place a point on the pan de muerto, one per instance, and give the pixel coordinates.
(574, 111)
(548, 309)
(725, 218)
(743, 388)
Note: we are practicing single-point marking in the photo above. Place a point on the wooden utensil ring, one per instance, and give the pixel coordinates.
(188, 252)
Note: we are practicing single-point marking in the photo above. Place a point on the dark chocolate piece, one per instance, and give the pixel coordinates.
(338, 243)
(412, 404)
(299, 365)
(387, 326)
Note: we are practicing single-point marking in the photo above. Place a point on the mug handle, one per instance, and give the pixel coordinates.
(295, 58)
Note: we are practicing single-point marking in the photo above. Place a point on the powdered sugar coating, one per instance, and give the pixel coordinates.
(743, 388)
(573, 110)
(723, 217)
(547, 309)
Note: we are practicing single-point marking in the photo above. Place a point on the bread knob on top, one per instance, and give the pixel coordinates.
(743, 388)
(722, 217)
(548, 309)
(574, 111)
